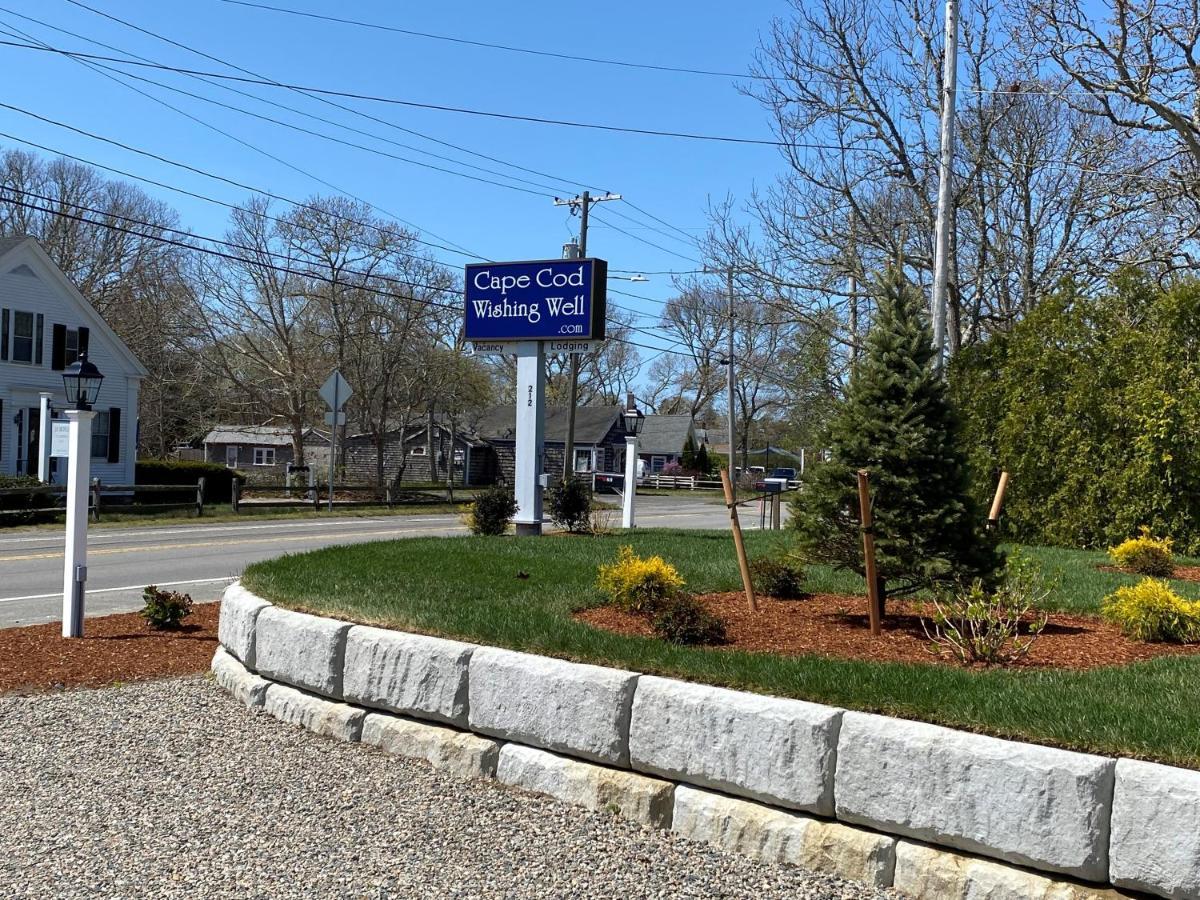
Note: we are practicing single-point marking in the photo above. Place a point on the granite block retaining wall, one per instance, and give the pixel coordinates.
(932, 811)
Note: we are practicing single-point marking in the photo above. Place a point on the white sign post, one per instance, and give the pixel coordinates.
(335, 392)
(79, 473)
(530, 449)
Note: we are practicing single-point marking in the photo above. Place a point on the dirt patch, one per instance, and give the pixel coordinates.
(114, 648)
(832, 625)
(1179, 573)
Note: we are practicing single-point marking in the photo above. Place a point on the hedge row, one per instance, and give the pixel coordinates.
(1092, 404)
(218, 479)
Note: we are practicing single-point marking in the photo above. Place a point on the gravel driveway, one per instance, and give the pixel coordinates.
(171, 789)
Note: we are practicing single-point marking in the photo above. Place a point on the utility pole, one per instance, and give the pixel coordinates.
(582, 203)
(729, 375)
(941, 254)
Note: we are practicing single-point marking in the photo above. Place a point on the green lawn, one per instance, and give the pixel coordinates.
(469, 588)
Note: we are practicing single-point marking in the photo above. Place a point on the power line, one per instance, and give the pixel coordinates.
(284, 270)
(206, 174)
(292, 126)
(439, 107)
(492, 46)
(629, 64)
(224, 62)
(682, 135)
(349, 109)
(250, 146)
(272, 267)
(644, 240)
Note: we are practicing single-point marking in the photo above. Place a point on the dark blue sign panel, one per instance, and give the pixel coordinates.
(536, 301)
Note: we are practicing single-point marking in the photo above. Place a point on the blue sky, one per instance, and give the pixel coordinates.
(673, 179)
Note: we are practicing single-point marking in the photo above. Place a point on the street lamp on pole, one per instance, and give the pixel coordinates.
(634, 420)
(82, 382)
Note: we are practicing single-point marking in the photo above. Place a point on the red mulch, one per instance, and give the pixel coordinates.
(1179, 573)
(836, 626)
(113, 648)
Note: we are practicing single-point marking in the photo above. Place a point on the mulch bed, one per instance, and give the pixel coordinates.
(1179, 573)
(832, 625)
(114, 648)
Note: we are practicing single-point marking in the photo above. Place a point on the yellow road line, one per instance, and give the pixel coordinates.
(106, 551)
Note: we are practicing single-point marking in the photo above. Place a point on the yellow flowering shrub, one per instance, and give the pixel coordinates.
(638, 585)
(1151, 611)
(1144, 554)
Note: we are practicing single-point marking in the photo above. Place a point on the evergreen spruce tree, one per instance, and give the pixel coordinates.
(688, 459)
(703, 463)
(897, 423)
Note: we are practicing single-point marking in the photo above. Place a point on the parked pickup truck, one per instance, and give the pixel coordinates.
(779, 480)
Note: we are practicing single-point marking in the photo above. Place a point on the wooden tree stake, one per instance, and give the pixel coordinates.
(998, 501)
(864, 508)
(738, 543)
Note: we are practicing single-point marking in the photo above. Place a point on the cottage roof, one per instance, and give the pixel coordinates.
(262, 435)
(592, 423)
(664, 435)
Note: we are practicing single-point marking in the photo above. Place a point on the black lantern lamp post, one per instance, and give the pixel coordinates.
(634, 420)
(82, 383)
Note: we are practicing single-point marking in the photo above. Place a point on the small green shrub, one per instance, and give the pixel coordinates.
(682, 620)
(639, 585)
(1144, 555)
(1151, 611)
(777, 579)
(975, 625)
(569, 504)
(492, 510)
(165, 610)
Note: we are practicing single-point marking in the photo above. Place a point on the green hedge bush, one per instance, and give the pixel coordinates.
(1092, 404)
(218, 479)
(31, 502)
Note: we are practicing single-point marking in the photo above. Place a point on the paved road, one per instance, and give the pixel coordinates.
(202, 559)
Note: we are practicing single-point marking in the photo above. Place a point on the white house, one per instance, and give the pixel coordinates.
(45, 323)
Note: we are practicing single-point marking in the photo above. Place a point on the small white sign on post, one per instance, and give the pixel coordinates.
(60, 435)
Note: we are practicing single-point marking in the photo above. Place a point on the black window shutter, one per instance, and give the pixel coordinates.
(114, 434)
(3, 334)
(58, 347)
(1, 429)
(83, 339)
(39, 339)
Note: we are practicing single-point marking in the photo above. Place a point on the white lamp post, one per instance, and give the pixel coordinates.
(633, 427)
(82, 381)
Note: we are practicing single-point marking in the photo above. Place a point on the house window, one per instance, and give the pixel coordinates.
(264, 456)
(419, 450)
(71, 347)
(22, 340)
(657, 463)
(583, 460)
(100, 427)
